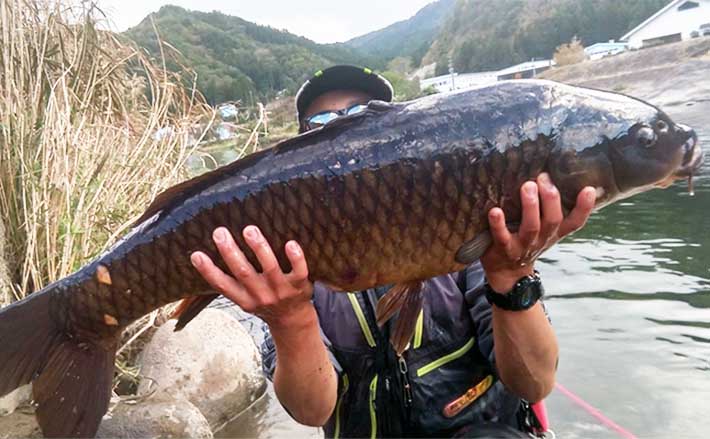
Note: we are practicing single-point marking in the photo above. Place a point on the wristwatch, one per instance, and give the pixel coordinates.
(525, 293)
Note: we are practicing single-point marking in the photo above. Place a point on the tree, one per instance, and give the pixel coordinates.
(570, 53)
(401, 65)
(404, 89)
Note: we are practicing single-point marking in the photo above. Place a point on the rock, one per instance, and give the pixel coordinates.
(213, 363)
(19, 424)
(147, 419)
(176, 418)
(14, 399)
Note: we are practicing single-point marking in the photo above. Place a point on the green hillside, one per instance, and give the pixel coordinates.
(409, 38)
(237, 59)
(484, 35)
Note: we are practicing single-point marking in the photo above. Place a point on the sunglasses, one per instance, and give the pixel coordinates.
(324, 117)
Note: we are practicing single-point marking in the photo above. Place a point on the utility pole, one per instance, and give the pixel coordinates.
(451, 72)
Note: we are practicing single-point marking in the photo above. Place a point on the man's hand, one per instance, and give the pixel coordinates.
(304, 379)
(279, 298)
(525, 346)
(512, 254)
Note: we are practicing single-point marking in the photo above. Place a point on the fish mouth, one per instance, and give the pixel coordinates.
(692, 162)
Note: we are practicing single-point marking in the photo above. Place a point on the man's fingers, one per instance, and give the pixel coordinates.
(299, 272)
(220, 281)
(261, 248)
(499, 231)
(530, 224)
(579, 215)
(237, 263)
(551, 206)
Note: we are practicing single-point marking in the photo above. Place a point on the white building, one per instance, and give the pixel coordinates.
(460, 81)
(675, 22)
(525, 70)
(600, 50)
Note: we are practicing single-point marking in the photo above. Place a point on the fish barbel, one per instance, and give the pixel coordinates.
(394, 195)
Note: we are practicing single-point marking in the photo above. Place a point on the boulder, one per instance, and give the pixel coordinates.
(14, 399)
(212, 362)
(176, 418)
(19, 424)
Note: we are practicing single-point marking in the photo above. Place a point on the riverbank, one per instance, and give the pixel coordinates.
(665, 75)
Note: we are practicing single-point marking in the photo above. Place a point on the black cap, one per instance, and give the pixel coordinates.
(342, 77)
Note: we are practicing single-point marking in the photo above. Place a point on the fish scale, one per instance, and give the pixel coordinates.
(396, 194)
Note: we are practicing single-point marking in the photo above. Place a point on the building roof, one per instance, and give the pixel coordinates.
(605, 45)
(650, 19)
(461, 76)
(529, 65)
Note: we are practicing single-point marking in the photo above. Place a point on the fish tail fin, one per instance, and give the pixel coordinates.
(71, 378)
(26, 335)
(74, 389)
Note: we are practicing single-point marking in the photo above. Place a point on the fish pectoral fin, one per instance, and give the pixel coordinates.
(407, 318)
(189, 307)
(472, 250)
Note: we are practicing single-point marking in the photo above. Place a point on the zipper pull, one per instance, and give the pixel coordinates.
(406, 388)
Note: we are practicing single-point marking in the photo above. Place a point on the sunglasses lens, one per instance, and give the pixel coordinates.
(321, 119)
(356, 109)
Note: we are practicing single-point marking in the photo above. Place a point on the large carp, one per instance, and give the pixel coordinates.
(393, 195)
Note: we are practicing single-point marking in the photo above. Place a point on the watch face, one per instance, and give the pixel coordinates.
(527, 297)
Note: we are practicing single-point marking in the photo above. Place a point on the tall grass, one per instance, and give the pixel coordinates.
(79, 154)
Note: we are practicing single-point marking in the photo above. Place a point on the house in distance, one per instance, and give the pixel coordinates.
(677, 21)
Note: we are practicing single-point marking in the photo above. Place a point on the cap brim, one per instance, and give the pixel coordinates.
(343, 77)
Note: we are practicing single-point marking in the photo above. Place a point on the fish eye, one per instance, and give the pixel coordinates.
(661, 126)
(645, 137)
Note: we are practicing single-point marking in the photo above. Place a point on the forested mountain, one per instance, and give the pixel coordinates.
(484, 35)
(412, 37)
(237, 59)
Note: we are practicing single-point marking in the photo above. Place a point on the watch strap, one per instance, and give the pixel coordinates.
(524, 294)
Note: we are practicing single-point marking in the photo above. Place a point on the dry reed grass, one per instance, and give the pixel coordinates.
(79, 154)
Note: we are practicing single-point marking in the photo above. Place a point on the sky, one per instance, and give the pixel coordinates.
(323, 21)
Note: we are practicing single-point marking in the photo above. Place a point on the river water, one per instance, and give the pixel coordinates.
(630, 303)
(629, 297)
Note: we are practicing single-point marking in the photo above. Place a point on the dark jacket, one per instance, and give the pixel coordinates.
(445, 381)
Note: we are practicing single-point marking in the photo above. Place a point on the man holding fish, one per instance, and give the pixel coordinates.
(380, 204)
(469, 362)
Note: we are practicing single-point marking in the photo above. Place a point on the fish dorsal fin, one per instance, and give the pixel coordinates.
(166, 198)
(172, 196)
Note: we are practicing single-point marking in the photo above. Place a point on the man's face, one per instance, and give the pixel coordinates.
(335, 100)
